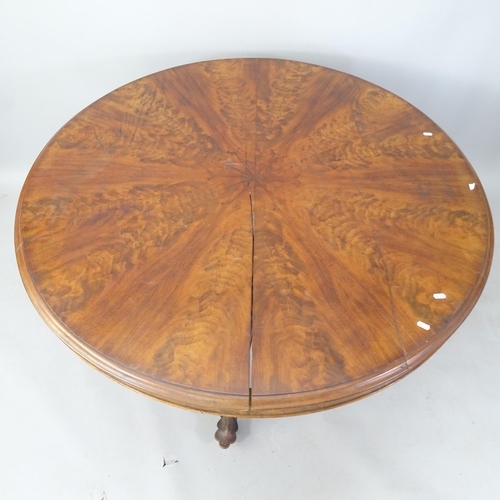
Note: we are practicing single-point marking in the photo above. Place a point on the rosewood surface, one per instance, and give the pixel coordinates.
(253, 237)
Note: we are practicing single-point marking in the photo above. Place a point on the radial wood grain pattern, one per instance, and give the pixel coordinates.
(253, 237)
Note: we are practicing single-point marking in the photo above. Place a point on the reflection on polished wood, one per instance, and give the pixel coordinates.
(253, 237)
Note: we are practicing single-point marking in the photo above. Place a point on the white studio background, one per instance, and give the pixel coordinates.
(67, 432)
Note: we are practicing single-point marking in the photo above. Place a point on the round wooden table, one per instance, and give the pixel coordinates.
(253, 237)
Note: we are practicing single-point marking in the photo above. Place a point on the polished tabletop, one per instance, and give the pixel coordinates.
(253, 237)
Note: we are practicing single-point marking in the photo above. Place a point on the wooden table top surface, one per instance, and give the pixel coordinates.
(253, 237)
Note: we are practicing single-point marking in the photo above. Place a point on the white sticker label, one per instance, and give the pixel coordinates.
(423, 325)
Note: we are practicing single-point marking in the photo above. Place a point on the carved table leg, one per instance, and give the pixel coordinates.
(226, 433)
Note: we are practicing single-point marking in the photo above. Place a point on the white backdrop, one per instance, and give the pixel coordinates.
(68, 432)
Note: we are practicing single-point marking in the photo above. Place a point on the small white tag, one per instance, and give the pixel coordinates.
(440, 296)
(472, 186)
(428, 134)
(423, 325)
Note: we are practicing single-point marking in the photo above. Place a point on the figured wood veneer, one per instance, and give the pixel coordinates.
(253, 237)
